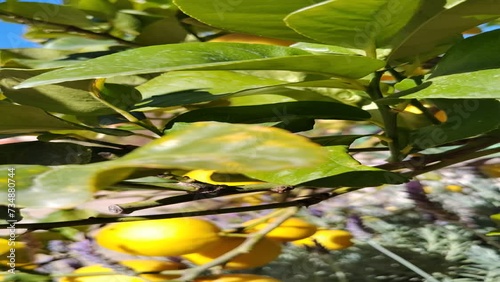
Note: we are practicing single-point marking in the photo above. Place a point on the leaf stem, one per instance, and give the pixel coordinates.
(96, 93)
(389, 117)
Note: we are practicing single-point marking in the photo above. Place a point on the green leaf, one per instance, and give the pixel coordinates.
(360, 24)
(469, 85)
(51, 13)
(35, 187)
(438, 26)
(44, 153)
(68, 98)
(209, 56)
(215, 82)
(266, 18)
(149, 34)
(465, 118)
(235, 148)
(190, 87)
(475, 53)
(341, 170)
(225, 147)
(274, 112)
(17, 119)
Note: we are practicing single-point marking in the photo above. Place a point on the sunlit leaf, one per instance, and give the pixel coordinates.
(361, 24)
(438, 25)
(266, 17)
(481, 84)
(210, 56)
(224, 147)
(341, 170)
(51, 13)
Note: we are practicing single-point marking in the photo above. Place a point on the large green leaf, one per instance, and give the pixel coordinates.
(259, 17)
(472, 85)
(44, 153)
(274, 112)
(51, 13)
(466, 118)
(438, 25)
(206, 145)
(341, 170)
(225, 147)
(68, 98)
(475, 53)
(361, 24)
(210, 56)
(189, 87)
(17, 119)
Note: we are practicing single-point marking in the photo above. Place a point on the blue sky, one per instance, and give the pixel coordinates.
(11, 34)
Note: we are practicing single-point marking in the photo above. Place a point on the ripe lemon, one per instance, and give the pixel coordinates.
(163, 237)
(246, 38)
(211, 177)
(454, 188)
(329, 238)
(136, 265)
(290, 230)
(237, 278)
(263, 252)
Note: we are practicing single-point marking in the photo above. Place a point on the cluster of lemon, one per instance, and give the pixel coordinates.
(200, 241)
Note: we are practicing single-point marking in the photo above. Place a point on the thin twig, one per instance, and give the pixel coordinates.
(402, 261)
(245, 247)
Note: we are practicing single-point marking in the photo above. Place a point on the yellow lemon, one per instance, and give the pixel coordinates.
(262, 253)
(290, 230)
(454, 188)
(237, 278)
(136, 265)
(163, 237)
(329, 238)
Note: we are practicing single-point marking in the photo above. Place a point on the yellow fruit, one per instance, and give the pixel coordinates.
(210, 176)
(263, 252)
(153, 265)
(454, 188)
(136, 265)
(163, 237)
(237, 278)
(246, 38)
(329, 238)
(292, 229)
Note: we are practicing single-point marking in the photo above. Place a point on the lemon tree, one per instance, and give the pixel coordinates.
(239, 97)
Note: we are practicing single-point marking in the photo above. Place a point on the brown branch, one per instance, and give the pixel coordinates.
(313, 199)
